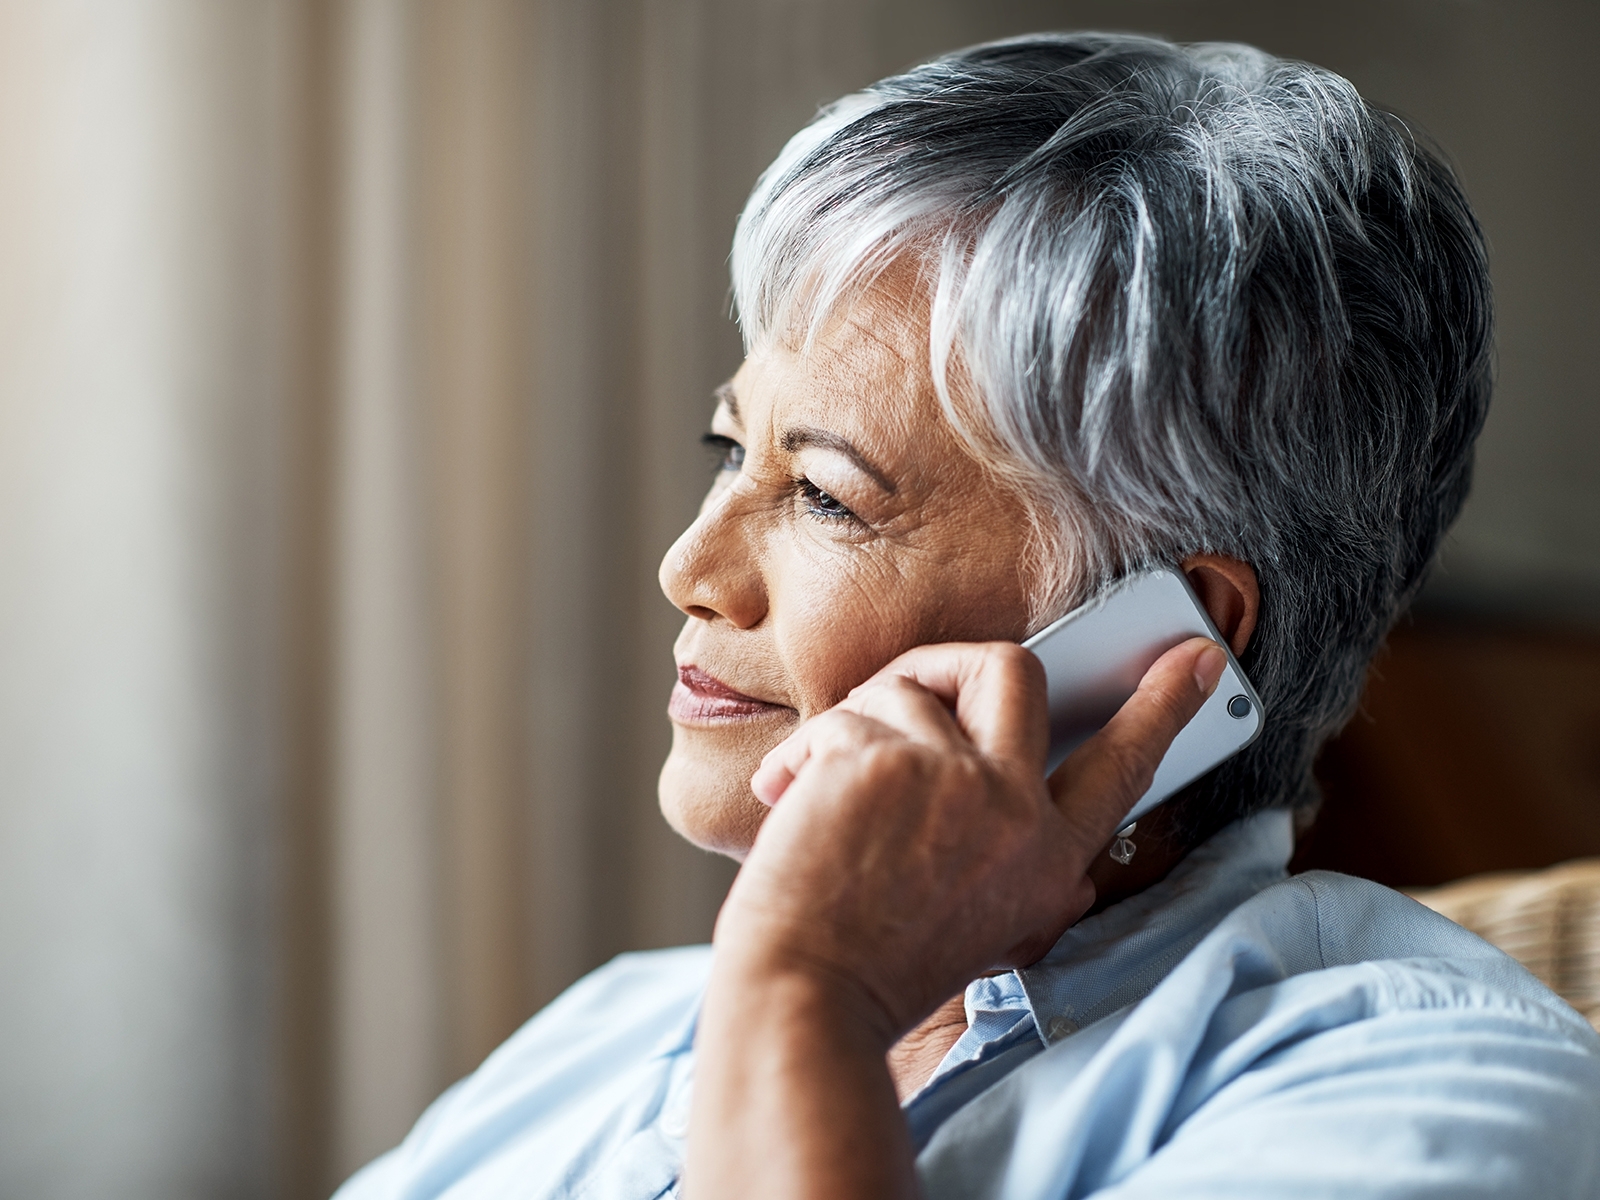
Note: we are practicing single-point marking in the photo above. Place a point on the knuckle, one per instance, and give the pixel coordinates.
(904, 704)
(893, 762)
(900, 692)
(965, 781)
(962, 773)
(823, 729)
(886, 754)
(1017, 664)
(841, 730)
(1010, 656)
(1130, 768)
(1170, 703)
(878, 692)
(850, 759)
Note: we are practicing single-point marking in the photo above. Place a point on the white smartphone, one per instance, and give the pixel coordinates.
(1095, 656)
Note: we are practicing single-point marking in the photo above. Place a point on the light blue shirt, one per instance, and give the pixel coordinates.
(1230, 1032)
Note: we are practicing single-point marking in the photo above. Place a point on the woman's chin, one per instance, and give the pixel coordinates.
(709, 802)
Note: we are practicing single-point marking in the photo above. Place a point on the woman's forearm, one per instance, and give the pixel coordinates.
(793, 1098)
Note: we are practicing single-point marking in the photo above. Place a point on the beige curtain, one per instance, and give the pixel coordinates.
(509, 457)
(506, 312)
(345, 414)
(352, 359)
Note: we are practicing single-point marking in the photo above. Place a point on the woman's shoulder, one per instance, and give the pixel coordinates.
(669, 974)
(556, 1085)
(1325, 930)
(1328, 1035)
(635, 1000)
(636, 1005)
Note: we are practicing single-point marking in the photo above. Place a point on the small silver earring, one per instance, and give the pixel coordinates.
(1122, 849)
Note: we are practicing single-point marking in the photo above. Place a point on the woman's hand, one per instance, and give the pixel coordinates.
(914, 844)
(918, 843)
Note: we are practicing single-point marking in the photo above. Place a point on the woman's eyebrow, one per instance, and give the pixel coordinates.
(807, 435)
(724, 396)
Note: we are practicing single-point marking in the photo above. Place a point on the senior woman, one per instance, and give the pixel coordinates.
(1021, 321)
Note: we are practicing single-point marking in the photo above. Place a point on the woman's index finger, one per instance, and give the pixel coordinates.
(995, 689)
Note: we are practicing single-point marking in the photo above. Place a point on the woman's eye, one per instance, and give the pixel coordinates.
(730, 454)
(820, 504)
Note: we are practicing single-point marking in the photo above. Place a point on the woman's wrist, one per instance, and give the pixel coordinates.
(752, 987)
(793, 1096)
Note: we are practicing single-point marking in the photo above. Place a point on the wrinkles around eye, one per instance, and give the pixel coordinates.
(818, 503)
(824, 506)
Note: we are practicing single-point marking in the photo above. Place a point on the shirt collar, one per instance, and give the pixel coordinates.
(1113, 958)
(1116, 957)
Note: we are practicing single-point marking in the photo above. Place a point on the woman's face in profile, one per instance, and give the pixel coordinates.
(847, 524)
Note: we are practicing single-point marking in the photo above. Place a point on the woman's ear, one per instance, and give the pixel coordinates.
(1228, 589)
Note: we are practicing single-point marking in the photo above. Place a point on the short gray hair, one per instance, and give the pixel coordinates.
(1207, 300)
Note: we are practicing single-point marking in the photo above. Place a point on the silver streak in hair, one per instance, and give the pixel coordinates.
(1206, 300)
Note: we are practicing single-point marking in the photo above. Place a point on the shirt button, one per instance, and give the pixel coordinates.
(1061, 1027)
(675, 1122)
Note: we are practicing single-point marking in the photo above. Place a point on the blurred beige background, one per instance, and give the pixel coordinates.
(352, 361)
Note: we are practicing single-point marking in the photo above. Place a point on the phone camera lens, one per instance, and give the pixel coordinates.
(1239, 707)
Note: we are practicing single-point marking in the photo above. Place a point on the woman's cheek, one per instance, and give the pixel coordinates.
(835, 628)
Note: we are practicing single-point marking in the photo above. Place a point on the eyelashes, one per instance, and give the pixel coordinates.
(729, 456)
(821, 505)
(729, 453)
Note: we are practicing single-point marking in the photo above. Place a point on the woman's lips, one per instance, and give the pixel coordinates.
(698, 698)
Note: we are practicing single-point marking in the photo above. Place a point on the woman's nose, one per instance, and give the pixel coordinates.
(711, 571)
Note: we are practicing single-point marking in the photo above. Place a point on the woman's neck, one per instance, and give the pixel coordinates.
(1158, 850)
(915, 1057)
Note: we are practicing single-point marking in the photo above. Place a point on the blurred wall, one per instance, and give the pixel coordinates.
(139, 389)
(352, 359)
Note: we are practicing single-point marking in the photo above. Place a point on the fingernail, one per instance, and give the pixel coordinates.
(1208, 666)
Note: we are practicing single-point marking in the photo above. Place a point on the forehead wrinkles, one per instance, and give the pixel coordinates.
(868, 376)
(880, 341)
(860, 360)
(861, 387)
